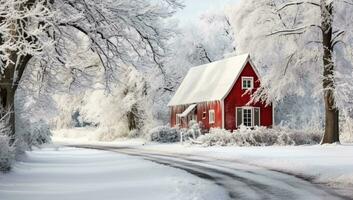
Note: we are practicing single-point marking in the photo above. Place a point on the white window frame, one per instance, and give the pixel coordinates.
(247, 78)
(209, 116)
(251, 115)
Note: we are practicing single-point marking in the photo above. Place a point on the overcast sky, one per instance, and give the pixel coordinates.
(193, 8)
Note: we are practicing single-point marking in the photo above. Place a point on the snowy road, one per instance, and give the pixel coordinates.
(241, 181)
(83, 174)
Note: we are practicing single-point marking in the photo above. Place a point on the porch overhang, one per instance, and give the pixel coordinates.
(188, 110)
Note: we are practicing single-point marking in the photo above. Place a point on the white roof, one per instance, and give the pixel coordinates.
(210, 82)
(188, 110)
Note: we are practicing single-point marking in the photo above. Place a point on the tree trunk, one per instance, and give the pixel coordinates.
(8, 112)
(331, 134)
(8, 86)
(7, 93)
(132, 118)
(13, 71)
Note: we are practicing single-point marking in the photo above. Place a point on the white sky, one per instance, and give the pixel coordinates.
(193, 8)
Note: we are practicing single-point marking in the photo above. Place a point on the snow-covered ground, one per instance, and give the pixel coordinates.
(329, 164)
(69, 173)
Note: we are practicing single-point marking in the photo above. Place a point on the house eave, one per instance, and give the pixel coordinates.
(185, 104)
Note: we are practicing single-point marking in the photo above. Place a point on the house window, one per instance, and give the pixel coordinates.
(247, 116)
(204, 115)
(211, 118)
(247, 83)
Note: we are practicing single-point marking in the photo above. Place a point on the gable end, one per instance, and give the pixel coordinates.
(248, 61)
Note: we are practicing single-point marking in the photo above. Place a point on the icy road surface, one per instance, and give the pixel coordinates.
(240, 181)
(83, 174)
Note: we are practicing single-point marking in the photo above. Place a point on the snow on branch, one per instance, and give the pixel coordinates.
(296, 4)
(294, 31)
(347, 2)
(335, 39)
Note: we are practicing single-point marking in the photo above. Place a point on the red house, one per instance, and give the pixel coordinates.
(215, 95)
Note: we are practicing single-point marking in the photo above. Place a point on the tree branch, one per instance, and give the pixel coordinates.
(296, 4)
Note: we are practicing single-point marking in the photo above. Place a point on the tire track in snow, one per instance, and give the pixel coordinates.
(240, 181)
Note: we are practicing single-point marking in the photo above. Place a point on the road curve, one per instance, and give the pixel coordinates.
(241, 181)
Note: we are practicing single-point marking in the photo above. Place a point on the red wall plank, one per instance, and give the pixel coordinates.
(206, 107)
(200, 109)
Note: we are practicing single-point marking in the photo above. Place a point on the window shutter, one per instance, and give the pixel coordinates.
(257, 116)
(239, 116)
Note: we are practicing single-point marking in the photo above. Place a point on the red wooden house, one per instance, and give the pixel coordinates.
(215, 95)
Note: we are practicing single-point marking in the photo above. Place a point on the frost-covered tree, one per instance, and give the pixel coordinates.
(305, 50)
(125, 109)
(209, 39)
(45, 31)
(34, 108)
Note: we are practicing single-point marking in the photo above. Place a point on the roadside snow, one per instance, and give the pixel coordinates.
(69, 173)
(77, 134)
(329, 164)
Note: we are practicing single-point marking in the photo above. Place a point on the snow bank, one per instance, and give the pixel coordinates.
(103, 134)
(79, 134)
(260, 136)
(77, 174)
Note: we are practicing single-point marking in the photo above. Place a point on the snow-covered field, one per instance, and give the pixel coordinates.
(69, 173)
(329, 164)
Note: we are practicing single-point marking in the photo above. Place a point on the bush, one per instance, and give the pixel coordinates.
(193, 132)
(164, 134)
(134, 134)
(259, 137)
(7, 151)
(32, 134)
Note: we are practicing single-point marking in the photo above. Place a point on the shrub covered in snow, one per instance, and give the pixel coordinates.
(193, 132)
(164, 134)
(259, 137)
(32, 134)
(7, 153)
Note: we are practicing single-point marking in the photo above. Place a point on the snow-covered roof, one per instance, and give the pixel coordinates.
(209, 82)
